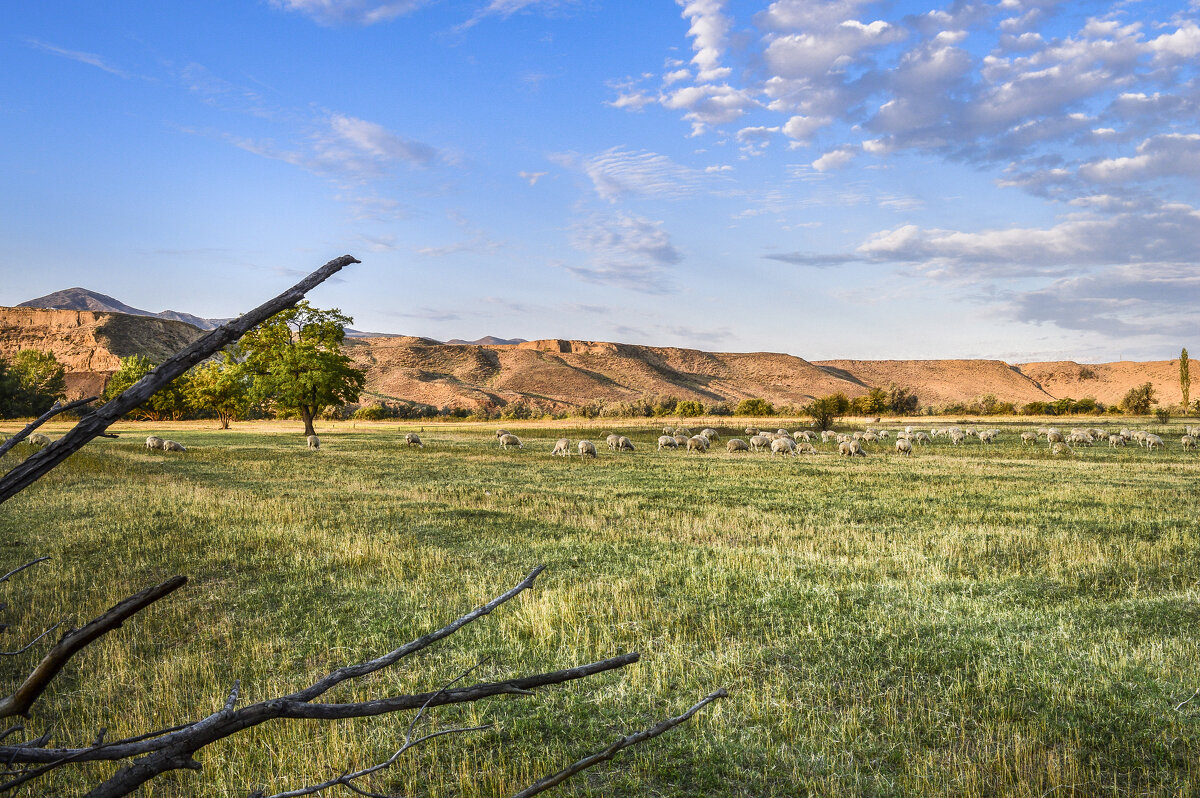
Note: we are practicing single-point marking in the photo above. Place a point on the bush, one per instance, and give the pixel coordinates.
(827, 409)
(1138, 400)
(1162, 415)
(689, 408)
(754, 407)
(372, 413)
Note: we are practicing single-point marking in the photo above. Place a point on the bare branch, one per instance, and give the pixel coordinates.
(71, 643)
(93, 424)
(42, 419)
(617, 747)
(29, 645)
(16, 571)
(1183, 704)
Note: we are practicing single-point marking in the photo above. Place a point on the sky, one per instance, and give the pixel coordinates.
(1016, 179)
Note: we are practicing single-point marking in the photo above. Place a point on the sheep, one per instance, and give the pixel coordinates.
(710, 433)
(751, 431)
(826, 435)
(313, 442)
(668, 431)
(986, 436)
(667, 442)
(624, 444)
(412, 439)
(805, 448)
(851, 448)
(870, 437)
(697, 443)
(611, 439)
(736, 445)
(842, 437)
(1059, 447)
(920, 438)
(805, 434)
(957, 436)
(681, 440)
(904, 447)
(683, 431)
(782, 431)
(858, 435)
(783, 446)
(155, 442)
(1080, 438)
(759, 442)
(1029, 438)
(38, 439)
(1115, 440)
(1153, 442)
(1053, 437)
(500, 433)
(884, 434)
(587, 449)
(508, 439)
(562, 447)
(1188, 441)
(172, 446)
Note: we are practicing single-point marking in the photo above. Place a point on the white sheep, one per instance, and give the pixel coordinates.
(851, 448)
(1053, 436)
(413, 439)
(1029, 438)
(508, 440)
(921, 438)
(612, 440)
(1188, 441)
(155, 442)
(826, 434)
(172, 446)
(682, 431)
(500, 433)
(1115, 440)
(751, 431)
(986, 436)
(870, 437)
(1153, 442)
(668, 431)
(957, 436)
(1059, 447)
(697, 443)
(711, 434)
(38, 439)
(759, 442)
(562, 447)
(804, 447)
(587, 449)
(667, 442)
(681, 440)
(904, 447)
(313, 442)
(736, 445)
(783, 446)
(624, 444)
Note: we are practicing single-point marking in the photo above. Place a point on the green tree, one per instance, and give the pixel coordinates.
(220, 386)
(902, 400)
(873, 403)
(170, 402)
(754, 407)
(1185, 379)
(30, 383)
(689, 408)
(10, 391)
(295, 361)
(827, 409)
(1138, 400)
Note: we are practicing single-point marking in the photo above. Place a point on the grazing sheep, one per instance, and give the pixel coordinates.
(612, 439)
(759, 442)
(858, 435)
(562, 447)
(667, 442)
(155, 442)
(805, 447)
(710, 433)
(697, 443)
(668, 431)
(500, 433)
(736, 445)
(508, 439)
(38, 439)
(783, 446)
(921, 438)
(1054, 436)
(805, 434)
(1080, 438)
(904, 447)
(587, 449)
(986, 436)
(1029, 438)
(957, 436)
(624, 444)
(851, 448)
(682, 431)
(172, 446)
(782, 431)
(1188, 441)
(313, 442)
(1153, 442)
(751, 431)
(412, 439)
(1060, 447)
(842, 437)
(870, 437)
(826, 435)
(884, 434)
(1115, 440)
(681, 440)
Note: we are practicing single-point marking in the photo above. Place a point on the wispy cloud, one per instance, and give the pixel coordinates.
(626, 250)
(351, 12)
(506, 8)
(91, 59)
(617, 173)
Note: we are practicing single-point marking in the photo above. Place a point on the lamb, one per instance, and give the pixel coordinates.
(612, 440)
(736, 445)
(904, 447)
(759, 442)
(38, 439)
(587, 449)
(783, 446)
(562, 447)
(710, 433)
(624, 444)
(172, 446)
(155, 442)
(1188, 441)
(412, 439)
(508, 439)
(697, 443)
(851, 448)
(313, 442)
(667, 442)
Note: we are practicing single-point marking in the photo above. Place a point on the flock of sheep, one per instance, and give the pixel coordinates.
(854, 444)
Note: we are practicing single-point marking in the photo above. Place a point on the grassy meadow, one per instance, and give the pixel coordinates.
(970, 621)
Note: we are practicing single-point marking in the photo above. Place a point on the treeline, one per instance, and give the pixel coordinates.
(30, 383)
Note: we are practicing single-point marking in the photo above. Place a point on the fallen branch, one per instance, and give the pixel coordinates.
(42, 419)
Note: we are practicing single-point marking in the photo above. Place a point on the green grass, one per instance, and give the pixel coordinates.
(973, 621)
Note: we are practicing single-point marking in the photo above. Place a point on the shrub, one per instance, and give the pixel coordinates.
(754, 407)
(1162, 415)
(827, 409)
(1138, 400)
(689, 408)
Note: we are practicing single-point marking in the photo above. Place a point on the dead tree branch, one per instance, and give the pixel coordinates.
(94, 424)
(42, 419)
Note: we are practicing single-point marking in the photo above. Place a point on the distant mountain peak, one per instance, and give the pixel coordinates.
(83, 299)
(488, 340)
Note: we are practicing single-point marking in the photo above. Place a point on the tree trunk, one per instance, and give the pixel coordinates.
(306, 413)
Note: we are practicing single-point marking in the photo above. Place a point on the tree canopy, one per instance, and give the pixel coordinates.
(30, 383)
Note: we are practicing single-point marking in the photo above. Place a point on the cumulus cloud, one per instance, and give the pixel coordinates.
(834, 159)
(625, 250)
(617, 173)
(350, 12)
(709, 105)
(1168, 155)
(709, 28)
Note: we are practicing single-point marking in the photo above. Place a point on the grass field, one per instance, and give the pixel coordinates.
(969, 622)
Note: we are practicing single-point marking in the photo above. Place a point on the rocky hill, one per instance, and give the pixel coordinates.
(561, 373)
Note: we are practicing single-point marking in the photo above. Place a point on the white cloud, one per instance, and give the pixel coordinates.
(1168, 155)
(350, 12)
(626, 250)
(709, 28)
(506, 8)
(91, 59)
(834, 159)
(532, 177)
(617, 173)
(709, 105)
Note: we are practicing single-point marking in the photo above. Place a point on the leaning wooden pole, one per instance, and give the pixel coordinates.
(94, 424)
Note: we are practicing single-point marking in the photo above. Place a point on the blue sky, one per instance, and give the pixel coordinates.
(1016, 179)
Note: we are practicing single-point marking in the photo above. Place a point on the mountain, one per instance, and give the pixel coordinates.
(85, 299)
(488, 340)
